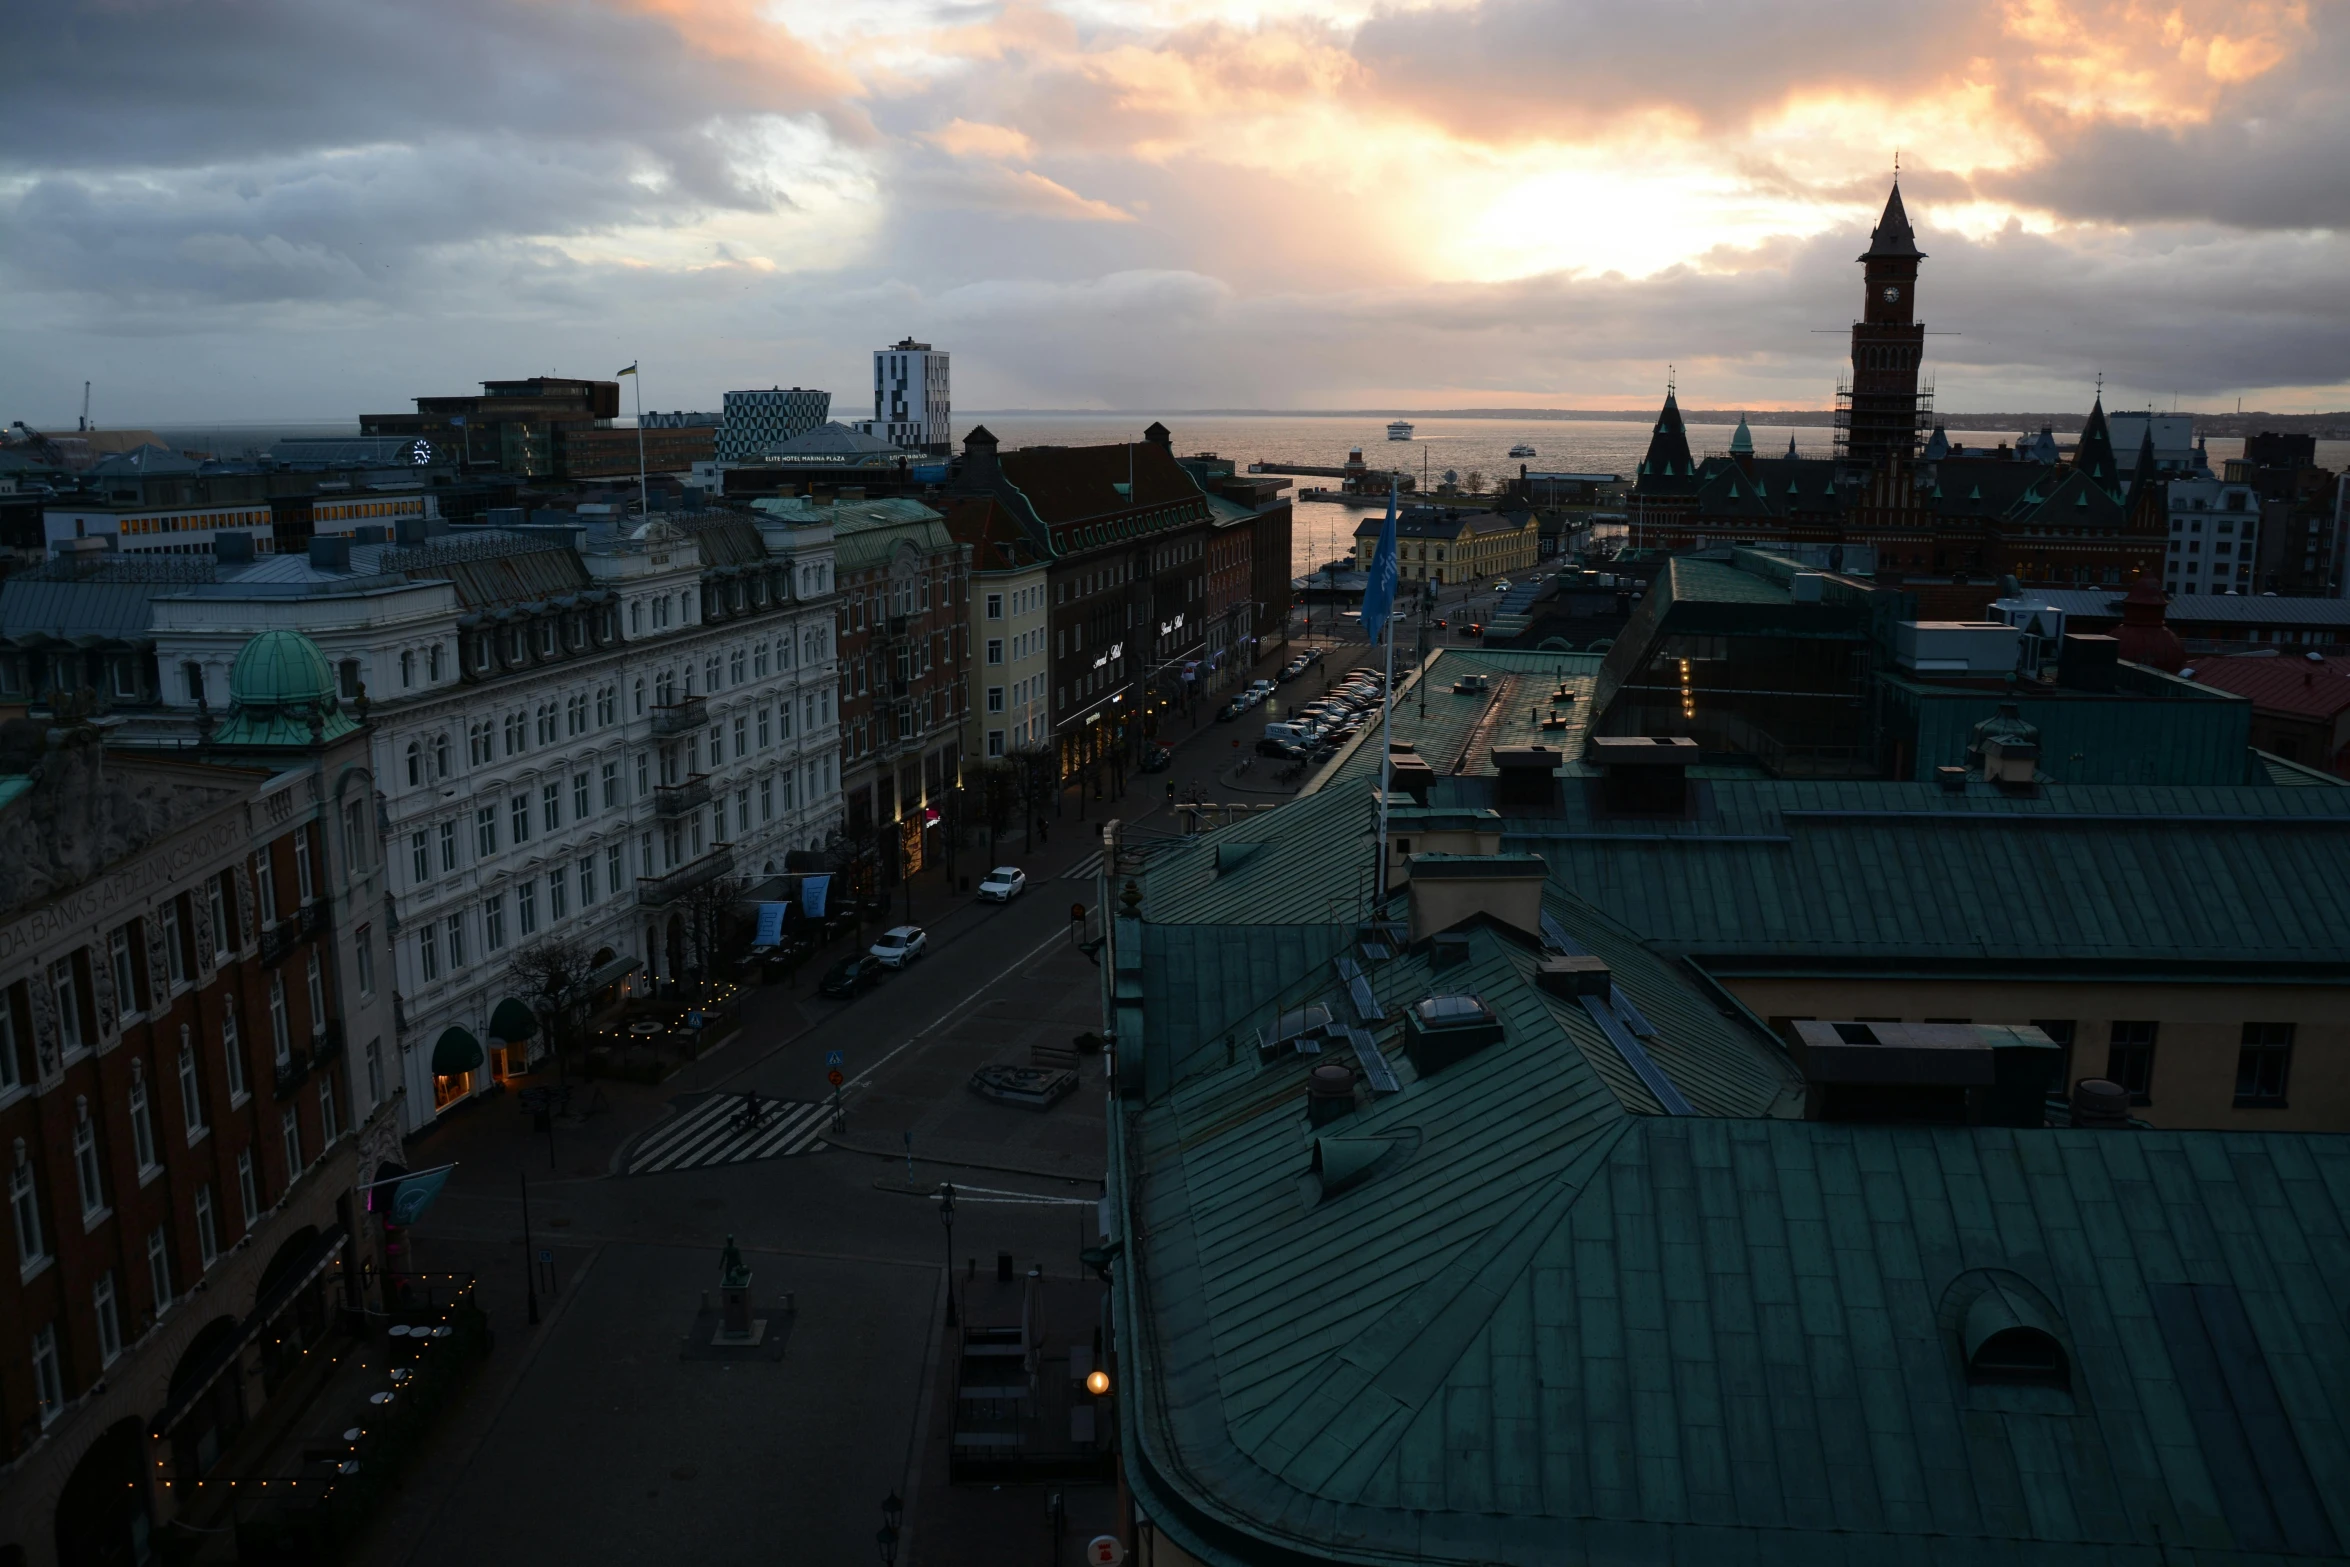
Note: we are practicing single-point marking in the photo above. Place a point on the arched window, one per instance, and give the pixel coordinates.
(432, 662)
(440, 756)
(640, 696)
(415, 764)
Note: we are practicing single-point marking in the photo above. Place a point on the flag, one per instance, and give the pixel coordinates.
(770, 924)
(414, 1194)
(1379, 591)
(631, 370)
(812, 895)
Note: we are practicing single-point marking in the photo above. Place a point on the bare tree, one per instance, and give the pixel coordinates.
(553, 973)
(1034, 781)
(713, 921)
(999, 799)
(1476, 482)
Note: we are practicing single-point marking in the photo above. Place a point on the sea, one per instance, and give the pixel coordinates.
(1323, 531)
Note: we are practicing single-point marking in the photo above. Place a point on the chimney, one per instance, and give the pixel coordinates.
(2087, 663)
(1409, 772)
(1645, 775)
(979, 459)
(1574, 975)
(1449, 888)
(1528, 776)
(2100, 1104)
(1330, 1093)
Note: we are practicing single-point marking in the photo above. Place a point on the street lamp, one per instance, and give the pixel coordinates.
(893, 1511)
(887, 1539)
(946, 1216)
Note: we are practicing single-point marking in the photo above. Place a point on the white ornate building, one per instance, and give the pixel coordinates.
(574, 728)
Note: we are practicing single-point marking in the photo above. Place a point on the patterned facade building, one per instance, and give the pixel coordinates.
(754, 421)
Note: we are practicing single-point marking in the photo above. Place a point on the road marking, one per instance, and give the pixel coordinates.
(866, 1076)
(706, 1134)
(1085, 869)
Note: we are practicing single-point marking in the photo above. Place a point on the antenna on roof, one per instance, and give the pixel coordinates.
(85, 405)
(1668, 380)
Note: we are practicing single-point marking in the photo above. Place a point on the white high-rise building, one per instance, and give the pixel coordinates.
(911, 407)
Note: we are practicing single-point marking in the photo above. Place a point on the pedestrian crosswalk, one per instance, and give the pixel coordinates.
(712, 1132)
(1085, 869)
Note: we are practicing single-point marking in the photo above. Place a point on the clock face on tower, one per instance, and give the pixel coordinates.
(1892, 293)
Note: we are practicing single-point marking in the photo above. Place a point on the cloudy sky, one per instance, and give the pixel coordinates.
(271, 209)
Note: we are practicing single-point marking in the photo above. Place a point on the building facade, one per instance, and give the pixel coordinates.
(2214, 534)
(902, 624)
(913, 405)
(753, 421)
(573, 728)
(196, 1072)
(1011, 631)
(1445, 545)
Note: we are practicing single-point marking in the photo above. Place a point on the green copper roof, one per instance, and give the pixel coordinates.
(281, 693)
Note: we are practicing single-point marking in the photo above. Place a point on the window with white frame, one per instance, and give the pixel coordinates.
(142, 1125)
(611, 785)
(303, 887)
(191, 1089)
(126, 974)
(207, 1232)
(448, 836)
(454, 928)
(24, 1202)
(330, 1124)
(89, 1173)
(175, 957)
(108, 1311)
(559, 892)
(587, 881)
(48, 1380)
(579, 796)
(67, 991)
(159, 1269)
(281, 1029)
(419, 858)
(248, 1188)
(232, 1049)
(551, 805)
(493, 922)
(290, 1129)
(526, 907)
(363, 958)
(428, 953)
(216, 890)
(317, 983)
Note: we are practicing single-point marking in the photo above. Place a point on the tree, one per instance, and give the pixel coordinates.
(999, 799)
(553, 973)
(1476, 482)
(1034, 781)
(713, 921)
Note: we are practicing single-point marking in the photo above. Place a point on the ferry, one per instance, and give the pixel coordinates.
(1523, 450)
(1400, 430)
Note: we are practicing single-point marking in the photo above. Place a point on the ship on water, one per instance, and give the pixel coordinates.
(1400, 430)
(1523, 450)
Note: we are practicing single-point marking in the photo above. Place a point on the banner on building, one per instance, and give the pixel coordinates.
(771, 923)
(812, 894)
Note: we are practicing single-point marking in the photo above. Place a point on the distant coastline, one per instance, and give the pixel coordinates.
(2332, 425)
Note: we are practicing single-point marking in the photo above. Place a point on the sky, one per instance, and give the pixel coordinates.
(221, 210)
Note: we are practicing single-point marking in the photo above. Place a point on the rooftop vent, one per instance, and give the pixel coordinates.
(1952, 779)
(1956, 647)
(1444, 1029)
(2006, 1339)
(1412, 775)
(1295, 1033)
(1805, 588)
(1448, 949)
(2100, 1103)
(1955, 1074)
(1645, 775)
(1577, 975)
(1330, 1092)
(2088, 663)
(330, 553)
(233, 549)
(1528, 775)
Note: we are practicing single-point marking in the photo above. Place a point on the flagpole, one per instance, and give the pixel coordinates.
(1386, 719)
(644, 502)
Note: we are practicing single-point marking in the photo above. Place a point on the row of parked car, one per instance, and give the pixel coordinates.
(1318, 728)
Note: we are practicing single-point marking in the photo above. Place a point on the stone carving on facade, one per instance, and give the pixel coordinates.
(45, 1041)
(246, 908)
(102, 996)
(158, 970)
(87, 812)
(206, 937)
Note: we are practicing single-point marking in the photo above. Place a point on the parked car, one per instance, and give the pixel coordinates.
(849, 976)
(1282, 750)
(1263, 688)
(1003, 884)
(1231, 710)
(898, 946)
(1157, 759)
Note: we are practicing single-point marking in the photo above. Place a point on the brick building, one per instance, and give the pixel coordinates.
(195, 1017)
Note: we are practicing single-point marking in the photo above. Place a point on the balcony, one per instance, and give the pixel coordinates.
(326, 1044)
(654, 891)
(313, 917)
(675, 718)
(290, 1074)
(278, 940)
(678, 799)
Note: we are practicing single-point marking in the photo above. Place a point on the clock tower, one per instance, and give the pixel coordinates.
(1880, 414)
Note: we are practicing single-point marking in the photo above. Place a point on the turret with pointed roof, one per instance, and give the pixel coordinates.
(2094, 456)
(1893, 237)
(1742, 439)
(1668, 449)
(2143, 478)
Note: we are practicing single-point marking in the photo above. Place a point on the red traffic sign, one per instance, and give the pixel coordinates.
(1105, 1549)
(834, 1077)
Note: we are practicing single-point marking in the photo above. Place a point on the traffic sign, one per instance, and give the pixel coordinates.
(1106, 1549)
(834, 1077)
(835, 1058)
(546, 1255)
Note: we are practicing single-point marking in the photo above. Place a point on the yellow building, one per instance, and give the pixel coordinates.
(1446, 546)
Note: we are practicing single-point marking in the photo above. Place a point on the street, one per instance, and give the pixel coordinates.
(596, 1436)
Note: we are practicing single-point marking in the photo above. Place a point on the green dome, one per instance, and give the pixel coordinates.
(281, 693)
(280, 669)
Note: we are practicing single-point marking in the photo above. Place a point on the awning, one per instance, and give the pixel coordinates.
(306, 1267)
(611, 973)
(512, 1022)
(456, 1051)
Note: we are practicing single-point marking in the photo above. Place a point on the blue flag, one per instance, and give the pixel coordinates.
(1379, 591)
(770, 924)
(414, 1194)
(812, 895)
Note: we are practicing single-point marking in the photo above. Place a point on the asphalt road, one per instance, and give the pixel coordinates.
(590, 1440)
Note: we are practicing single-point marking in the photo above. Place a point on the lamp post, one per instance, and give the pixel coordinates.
(530, 1287)
(893, 1512)
(946, 1216)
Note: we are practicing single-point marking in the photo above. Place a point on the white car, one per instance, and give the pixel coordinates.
(898, 946)
(1003, 884)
